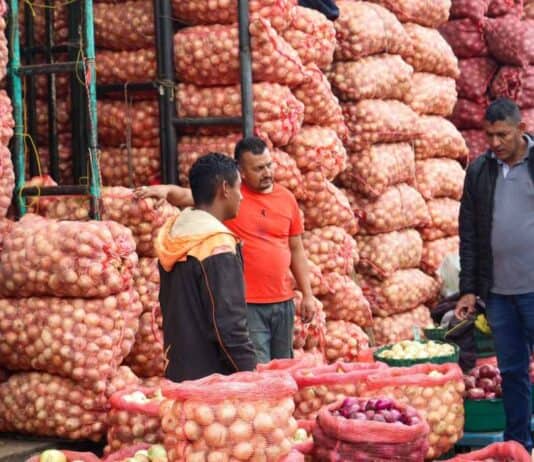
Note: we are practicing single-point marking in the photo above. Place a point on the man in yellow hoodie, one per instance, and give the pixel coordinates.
(202, 293)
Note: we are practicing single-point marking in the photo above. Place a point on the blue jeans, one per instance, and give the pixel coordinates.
(270, 327)
(511, 318)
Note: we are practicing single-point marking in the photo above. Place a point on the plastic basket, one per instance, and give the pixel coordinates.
(411, 362)
(484, 344)
(435, 333)
(484, 415)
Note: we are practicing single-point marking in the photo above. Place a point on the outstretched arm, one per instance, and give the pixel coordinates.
(175, 195)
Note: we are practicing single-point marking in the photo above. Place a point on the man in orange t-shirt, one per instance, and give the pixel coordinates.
(270, 226)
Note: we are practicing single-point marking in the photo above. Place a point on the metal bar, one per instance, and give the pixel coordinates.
(119, 87)
(16, 98)
(55, 68)
(183, 122)
(63, 190)
(167, 109)
(42, 49)
(52, 96)
(245, 62)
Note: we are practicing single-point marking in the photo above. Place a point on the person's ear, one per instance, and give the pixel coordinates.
(522, 126)
(224, 189)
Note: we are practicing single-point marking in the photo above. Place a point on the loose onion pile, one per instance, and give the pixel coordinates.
(439, 178)
(125, 66)
(81, 339)
(134, 167)
(246, 416)
(134, 418)
(331, 248)
(7, 180)
(435, 391)
(402, 291)
(483, 382)
(434, 252)
(321, 386)
(429, 14)
(444, 214)
(398, 208)
(398, 327)
(278, 114)
(431, 94)
(38, 403)
(209, 55)
(383, 254)
(374, 77)
(371, 171)
(379, 121)
(326, 205)
(439, 138)
(430, 52)
(287, 173)
(312, 36)
(66, 259)
(345, 301)
(416, 350)
(344, 341)
(318, 149)
(309, 336)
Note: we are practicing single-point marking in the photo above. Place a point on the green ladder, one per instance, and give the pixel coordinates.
(17, 72)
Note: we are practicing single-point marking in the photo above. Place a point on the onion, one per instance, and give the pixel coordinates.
(434, 252)
(114, 67)
(116, 169)
(344, 341)
(429, 14)
(431, 94)
(439, 178)
(398, 327)
(440, 138)
(7, 181)
(443, 219)
(308, 336)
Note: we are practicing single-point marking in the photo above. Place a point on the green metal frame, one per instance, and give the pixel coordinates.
(16, 72)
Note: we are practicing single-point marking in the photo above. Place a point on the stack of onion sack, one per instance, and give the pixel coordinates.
(435, 391)
(7, 176)
(244, 416)
(373, 430)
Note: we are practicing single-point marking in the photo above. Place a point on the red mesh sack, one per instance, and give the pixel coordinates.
(309, 336)
(443, 219)
(371, 171)
(63, 118)
(476, 141)
(516, 84)
(326, 205)
(510, 40)
(129, 167)
(318, 149)
(134, 418)
(364, 29)
(383, 254)
(528, 118)
(81, 339)
(439, 178)
(5, 227)
(279, 12)
(430, 52)
(243, 415)
(497, 452)
(64, 154)
(469, 114)
(345, 301)
(475, 77)
(287, 173)
(291, 366)
(373, 77)
(429, 13)
(344, 341)
(400, 292)
(209, 55)
(439, 138)
(60, 31)
(71, 456)
(124, 25)
(528, 10)
(475, 9)
(4, 53)
(331, 248)
(277, 113)
(434, 252)
(321, 386)
(434, 390)
(114, 67)
(373, 121)
(504, 7)
(321, 107)
(312, 36)
(7, 123)
(466, 38)
(93, 259)
(431, 94)
(7, 180)
(337, 437)
(37, 403)
(317, 282)
(127, 452)
(398, 327)
(118, 121)
(398, 208)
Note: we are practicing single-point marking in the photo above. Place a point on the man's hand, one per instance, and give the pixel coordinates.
(157, 192)
(465, 306)
(308, 308)
(173, 194)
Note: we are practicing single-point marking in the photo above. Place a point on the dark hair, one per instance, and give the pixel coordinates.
(251, 144)
(502, 110)
(208, 173)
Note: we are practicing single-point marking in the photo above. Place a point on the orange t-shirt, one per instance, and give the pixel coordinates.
(264, 224)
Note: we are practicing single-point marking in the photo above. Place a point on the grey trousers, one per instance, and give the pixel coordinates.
(271, 329)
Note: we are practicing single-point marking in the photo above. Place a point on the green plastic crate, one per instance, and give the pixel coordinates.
(484, 345)
(435, 333)
(411, 362)
(484, 415)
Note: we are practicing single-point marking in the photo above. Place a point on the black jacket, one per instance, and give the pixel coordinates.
(476, 217)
